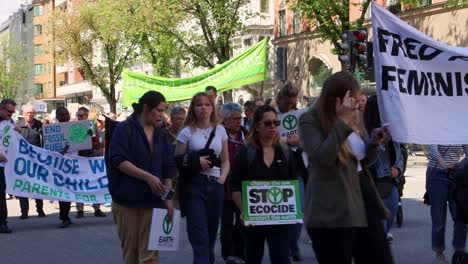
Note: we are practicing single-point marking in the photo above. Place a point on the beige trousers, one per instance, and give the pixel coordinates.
(133, 226)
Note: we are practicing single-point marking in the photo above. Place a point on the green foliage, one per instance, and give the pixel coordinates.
(98, 37)
(208, 29)
(14, 67)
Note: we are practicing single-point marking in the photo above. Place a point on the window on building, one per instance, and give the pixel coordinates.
(38, 69)
(320, 73)
(247, 42)
(49, 86)
(39, 88)
(37, 49)
(49, 67)
(264, 6)
(426, 2)
(62, 83)
(37, 30)
(38, 10)
(297, 22)
(282, 23)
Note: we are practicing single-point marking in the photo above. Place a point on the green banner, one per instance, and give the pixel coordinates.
(271, 202)
(246, 68)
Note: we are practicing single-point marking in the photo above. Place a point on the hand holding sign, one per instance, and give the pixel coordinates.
(3, 158)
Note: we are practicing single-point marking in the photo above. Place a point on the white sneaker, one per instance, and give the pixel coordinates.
(440, 259)
(389, 237)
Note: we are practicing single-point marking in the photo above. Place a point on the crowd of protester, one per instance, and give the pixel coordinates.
(349, 170)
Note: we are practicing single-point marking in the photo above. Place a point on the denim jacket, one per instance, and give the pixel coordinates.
(381, 167)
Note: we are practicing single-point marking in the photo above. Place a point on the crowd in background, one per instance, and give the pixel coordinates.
(350, 174)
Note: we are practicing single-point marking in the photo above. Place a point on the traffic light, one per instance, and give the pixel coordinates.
(347, 56)
(360, 48)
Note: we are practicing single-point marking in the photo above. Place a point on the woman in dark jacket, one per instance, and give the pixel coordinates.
(341, 202)
(263, 159)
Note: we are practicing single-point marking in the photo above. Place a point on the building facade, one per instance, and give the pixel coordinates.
(19, 30)
(257, 28)
(310, 60)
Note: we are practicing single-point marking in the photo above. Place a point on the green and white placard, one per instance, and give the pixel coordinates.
(164, 233)
(271, 202)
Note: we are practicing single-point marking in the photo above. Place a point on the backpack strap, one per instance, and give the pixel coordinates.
(212, 135)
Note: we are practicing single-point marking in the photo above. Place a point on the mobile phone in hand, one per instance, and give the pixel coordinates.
(168, 193)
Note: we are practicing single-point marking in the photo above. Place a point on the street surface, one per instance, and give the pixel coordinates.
(94, 240)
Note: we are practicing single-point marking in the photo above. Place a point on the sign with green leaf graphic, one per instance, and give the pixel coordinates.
(290, 122)
(75, 135)
(271, 202)
(164, 232)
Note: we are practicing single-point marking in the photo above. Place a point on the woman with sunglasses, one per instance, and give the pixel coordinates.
(269, 163)
(201, 193)
(343, 210)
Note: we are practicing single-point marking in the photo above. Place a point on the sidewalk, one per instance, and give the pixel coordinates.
(419, 160)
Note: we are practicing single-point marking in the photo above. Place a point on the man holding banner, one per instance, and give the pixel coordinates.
(7, 109)
(63, 115)
(31, 130)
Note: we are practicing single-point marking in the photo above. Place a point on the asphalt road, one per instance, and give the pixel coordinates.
(94, 240)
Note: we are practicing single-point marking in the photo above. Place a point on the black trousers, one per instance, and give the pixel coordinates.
(3, 205)
(64, 210)
(276, 237)
(24, 204)
(333, 245)
(232, 240)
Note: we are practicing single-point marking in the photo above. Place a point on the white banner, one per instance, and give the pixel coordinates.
(290, 122)
(164, 234)
(73, 134)
(42, 174)
(422, 84)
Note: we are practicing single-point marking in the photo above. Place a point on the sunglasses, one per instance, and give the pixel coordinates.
(11, 111)
(270, 123)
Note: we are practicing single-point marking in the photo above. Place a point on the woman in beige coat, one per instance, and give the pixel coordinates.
(340, 198)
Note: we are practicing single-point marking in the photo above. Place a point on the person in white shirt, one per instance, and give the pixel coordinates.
(201, 185)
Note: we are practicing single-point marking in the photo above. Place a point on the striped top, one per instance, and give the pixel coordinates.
(450, 154)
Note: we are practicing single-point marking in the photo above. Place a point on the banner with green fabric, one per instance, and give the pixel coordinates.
(246, 68)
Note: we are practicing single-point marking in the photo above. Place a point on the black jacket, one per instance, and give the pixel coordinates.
(32, 134)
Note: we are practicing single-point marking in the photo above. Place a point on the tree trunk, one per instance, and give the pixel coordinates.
(111, 100)
(228, 97)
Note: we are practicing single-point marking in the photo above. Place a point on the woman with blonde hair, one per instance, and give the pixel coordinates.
(341, 203)
(202, 143)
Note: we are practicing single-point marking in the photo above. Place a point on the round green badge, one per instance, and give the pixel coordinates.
(78, 133)
(290, 122)
(275, 195)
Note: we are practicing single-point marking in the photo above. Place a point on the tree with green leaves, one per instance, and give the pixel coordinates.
(207, 29)
(14, 68)
(103, 37)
